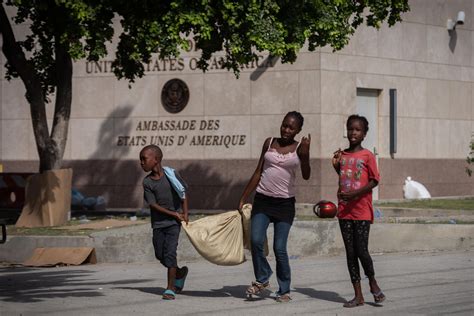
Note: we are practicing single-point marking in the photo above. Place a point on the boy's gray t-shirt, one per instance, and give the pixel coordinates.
(162, 193)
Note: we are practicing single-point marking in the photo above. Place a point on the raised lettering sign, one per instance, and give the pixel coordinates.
(166, 133)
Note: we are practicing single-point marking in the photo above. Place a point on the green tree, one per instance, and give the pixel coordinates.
(63, 31)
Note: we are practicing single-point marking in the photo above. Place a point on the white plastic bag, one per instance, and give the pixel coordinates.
(415, 190)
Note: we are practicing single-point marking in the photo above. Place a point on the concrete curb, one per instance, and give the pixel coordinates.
(389, 211)
(307, 238)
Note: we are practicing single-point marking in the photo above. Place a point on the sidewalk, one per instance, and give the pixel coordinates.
(415, 283)
(307, 238)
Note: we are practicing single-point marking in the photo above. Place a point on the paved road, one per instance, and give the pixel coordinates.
(415, 283)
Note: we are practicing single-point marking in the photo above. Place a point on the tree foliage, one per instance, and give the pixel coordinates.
(242, 28)
(238, 28)
(66, 30)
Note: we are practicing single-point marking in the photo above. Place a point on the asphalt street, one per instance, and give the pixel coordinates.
(414, 283)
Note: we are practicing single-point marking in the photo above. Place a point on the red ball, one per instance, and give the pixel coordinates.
(325, 209)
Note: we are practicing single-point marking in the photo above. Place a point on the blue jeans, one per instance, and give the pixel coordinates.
(261, 268)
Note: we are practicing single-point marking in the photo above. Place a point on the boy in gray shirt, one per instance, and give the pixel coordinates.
(165, 205)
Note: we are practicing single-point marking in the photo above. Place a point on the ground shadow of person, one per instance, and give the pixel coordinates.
(322, 295)
(237, 291)
(31, 285)
(149, 290)
(374, 304)
(328, 296)
(159, 291)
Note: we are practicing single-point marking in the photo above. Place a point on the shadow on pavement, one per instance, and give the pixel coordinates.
(224, 292)
(149, 290)
(328, 296)
(374, 304)
(211, 293)
(35, 285)
(322, 295)
(237, 291)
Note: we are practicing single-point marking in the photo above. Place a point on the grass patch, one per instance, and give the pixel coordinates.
(444, 204)
(45, 231)
(54, 231)
(456, 222)
(311, 218)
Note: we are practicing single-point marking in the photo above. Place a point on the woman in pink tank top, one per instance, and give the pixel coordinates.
(274, 202)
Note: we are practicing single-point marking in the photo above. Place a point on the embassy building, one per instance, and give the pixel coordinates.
(414, 82)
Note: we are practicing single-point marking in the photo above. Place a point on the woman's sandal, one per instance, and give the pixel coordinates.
(379, 297)
(179, 283)
(169, 295)
(256, 288)
(353, 303)
(285, 298)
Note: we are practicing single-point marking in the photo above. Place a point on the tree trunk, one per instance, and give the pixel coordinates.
(62, 108)
(50, 148)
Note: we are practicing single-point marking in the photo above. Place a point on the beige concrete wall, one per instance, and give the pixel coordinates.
(434, 83)
(433, 78)
(218, 183)
(432, 71)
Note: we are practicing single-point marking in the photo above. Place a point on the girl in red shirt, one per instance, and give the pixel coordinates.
(358, 175)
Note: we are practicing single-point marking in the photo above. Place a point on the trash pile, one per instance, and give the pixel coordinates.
(90, 203)
(415, 190)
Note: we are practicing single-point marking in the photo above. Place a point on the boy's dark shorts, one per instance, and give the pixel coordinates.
(165, 242)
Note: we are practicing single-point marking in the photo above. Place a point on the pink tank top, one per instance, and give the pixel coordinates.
(279, 173)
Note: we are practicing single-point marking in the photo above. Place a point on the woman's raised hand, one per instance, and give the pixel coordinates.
(304, 147)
